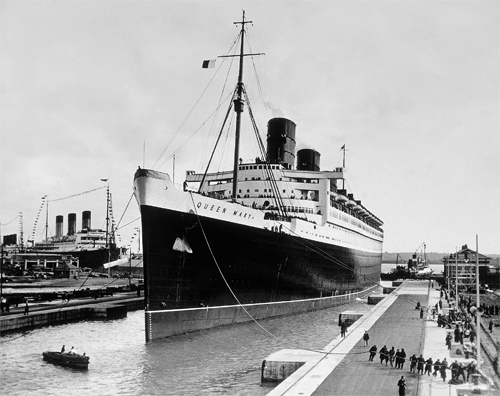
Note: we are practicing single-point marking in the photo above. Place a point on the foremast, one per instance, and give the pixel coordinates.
(238, 108)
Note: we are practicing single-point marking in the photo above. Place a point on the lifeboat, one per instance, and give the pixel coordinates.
(341, 198)
(351, 204)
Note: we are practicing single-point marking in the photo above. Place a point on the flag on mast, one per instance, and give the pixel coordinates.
(208, 64)
(343, 147)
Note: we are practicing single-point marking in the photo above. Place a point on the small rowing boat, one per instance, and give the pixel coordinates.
(67, 359)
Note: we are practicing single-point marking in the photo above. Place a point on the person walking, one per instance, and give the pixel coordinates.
(460, 372)
(413, 363)
(397, 358)
(437, 366)
(420, 365)
(490, 326)
(392, 352)
(402, 386)
(428, 366)
(402, 358)
(448, 340)
(454, 370)
(373, 352)
(343, 329)
(471, 369)
(26, 308)
(366, 337)
(443, 368)
(384, 355)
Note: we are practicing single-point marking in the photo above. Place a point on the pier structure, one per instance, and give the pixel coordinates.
(343, 366)
(56, 312)
(460, 269)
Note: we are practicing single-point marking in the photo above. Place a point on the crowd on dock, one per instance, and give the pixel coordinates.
(421, 366)
(459, 323)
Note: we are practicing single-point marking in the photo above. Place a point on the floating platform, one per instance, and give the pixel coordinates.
(375, 299)
(280, 365)
(350, 317)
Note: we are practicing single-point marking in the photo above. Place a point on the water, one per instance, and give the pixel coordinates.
(223, 361)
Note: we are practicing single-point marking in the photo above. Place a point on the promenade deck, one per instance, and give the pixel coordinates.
(345, 370)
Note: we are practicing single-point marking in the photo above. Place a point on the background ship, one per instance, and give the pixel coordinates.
(91, 248)
(89, 245)
(270, 230)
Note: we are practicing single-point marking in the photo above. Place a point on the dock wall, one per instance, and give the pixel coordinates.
(104, 310)
(161, 324)
(38, 319)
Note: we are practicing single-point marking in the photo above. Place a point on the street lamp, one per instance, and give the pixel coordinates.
(479, 311)
(107, 224)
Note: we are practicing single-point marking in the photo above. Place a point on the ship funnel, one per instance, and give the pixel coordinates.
(86, 220)
(59, 226)
(308, 160)
(71, 224)
(281, 142)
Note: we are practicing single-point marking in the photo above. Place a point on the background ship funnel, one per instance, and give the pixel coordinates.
(308, 160)
(71, 224)
(86, 220)
(281, 142)
(59, 226)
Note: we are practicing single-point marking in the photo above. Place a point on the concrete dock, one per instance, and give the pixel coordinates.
(344, 369)
(57, 312)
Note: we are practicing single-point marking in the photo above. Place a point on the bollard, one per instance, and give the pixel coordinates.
(475, 379)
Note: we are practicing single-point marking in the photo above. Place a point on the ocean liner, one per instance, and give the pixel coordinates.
(272, 236)
(91, 246)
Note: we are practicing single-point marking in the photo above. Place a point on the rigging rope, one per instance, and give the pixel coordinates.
(164, 150)
(6, 224)
(222, 274)
(76, 195)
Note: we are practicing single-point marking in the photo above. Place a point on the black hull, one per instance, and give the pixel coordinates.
(95, 259)
(258, 265)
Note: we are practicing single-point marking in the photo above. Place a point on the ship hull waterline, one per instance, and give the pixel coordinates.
(273, 273)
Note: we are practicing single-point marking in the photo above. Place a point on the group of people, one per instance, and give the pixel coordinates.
(72, 351)
(465, 302)
(420, 365)
(396, 358)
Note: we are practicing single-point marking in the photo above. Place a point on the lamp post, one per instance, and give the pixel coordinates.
(130, 268)
(107, 224)
(479, 311)
(137, 231)
(456, 278)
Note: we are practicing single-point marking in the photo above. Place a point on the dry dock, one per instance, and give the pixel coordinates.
(344, 369)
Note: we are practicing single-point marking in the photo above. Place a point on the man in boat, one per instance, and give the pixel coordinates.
(63, 348)
(73, 351)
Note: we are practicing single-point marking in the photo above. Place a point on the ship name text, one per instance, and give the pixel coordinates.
(220, 209)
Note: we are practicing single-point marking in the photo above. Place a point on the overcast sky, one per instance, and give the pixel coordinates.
(91, 90)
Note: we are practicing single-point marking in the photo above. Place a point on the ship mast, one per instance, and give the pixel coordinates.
(238, 108)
